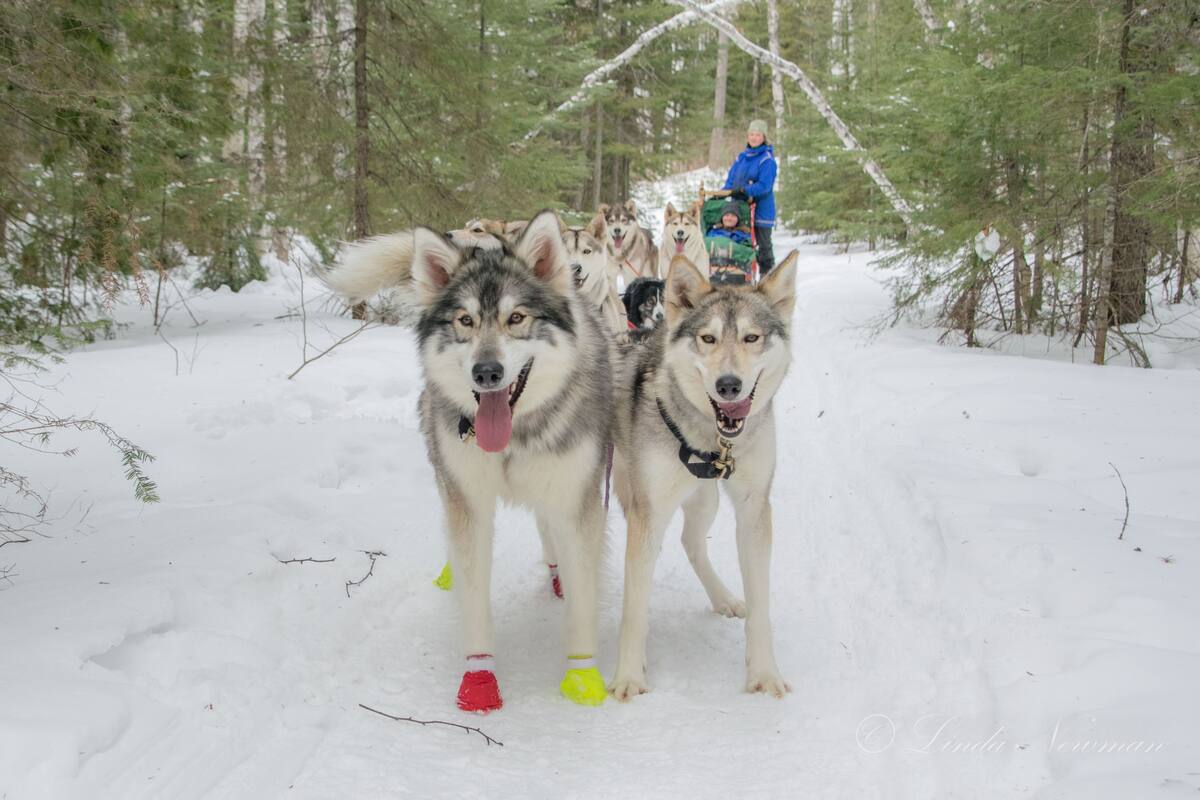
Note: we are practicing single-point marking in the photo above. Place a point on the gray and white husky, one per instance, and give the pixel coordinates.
(694, 413)
(588, 260)
(516, 407)
(632, 253)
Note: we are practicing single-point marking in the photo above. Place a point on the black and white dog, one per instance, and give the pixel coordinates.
(644, 303)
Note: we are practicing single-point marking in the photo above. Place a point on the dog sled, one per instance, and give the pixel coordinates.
(730, 263)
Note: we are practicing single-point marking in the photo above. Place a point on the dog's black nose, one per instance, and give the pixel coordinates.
(488, 375)
(729, 386)
(577, 269)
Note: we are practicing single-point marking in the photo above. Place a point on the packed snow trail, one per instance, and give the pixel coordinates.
(950, 600)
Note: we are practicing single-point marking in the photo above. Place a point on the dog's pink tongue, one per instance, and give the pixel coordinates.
(736, 410)
(493, 421)
(678, 246)
(617, 240)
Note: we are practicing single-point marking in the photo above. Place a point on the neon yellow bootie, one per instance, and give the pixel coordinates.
(445, 581)
(584, 685)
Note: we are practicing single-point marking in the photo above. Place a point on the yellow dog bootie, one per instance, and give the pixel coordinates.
(583, 683)
(445, 581)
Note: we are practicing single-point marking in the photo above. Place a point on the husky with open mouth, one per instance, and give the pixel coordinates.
(631, 249)
(695, 412)
(517, 406)
(682, 235)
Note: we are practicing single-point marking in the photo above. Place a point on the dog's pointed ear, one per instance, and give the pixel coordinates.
(603, 209)
(631, 207)
(685, 285)
(597, 228)
(670, 212)
(541, 248)
(434, 260)
(779, 287)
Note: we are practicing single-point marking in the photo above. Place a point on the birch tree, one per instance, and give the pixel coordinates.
(776, 76)
(716, 140)
(249, 17)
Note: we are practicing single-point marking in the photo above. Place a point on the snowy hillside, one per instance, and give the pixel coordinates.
(953, 603)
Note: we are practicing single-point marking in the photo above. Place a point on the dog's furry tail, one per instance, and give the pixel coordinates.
(371, 265)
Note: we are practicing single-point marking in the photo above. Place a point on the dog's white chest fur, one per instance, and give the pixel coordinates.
(519, 475)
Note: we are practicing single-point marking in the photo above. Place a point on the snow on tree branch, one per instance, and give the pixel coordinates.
(931, 22)
(899, 204)
(597, 76)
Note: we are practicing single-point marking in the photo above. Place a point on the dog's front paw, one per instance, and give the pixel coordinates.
(730, 606)
(628, 687)
(768, 682)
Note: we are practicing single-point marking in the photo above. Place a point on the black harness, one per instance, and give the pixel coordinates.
(711, 464)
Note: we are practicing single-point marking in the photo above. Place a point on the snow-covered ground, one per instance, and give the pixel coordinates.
(951, 598)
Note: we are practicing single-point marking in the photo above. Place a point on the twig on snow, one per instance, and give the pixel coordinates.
(1123, 486)
(306, 560)
(304, 331)
(371, 554)
(466, 728)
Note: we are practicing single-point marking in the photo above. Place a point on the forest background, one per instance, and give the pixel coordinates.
(140, 136)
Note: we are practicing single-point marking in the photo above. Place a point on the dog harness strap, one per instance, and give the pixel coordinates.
(712, 464)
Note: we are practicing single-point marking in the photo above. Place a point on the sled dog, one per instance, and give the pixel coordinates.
(507, 231)
(682, 236)
(588, 261)
(694, 413)
(644, 303)
(516, 407)
(632, 251)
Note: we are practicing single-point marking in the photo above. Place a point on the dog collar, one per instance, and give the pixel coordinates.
(718, 464)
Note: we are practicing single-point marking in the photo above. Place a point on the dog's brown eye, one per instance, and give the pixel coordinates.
(466, 321)
(708, 338)
(515, 318)
(587, 252)
(751, 338)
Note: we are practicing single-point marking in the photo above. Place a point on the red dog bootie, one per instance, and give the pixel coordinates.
(479, 692)
(555, 583)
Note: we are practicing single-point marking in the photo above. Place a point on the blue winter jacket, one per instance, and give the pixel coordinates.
(739, 236)
(753, 172)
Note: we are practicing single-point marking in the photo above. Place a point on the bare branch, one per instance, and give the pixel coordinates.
(371, 554)
(1125, 522)
(596, 76)
(306, 560)
(423, 722)
(327, 350)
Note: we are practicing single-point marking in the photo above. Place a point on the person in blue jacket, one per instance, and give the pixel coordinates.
(753, 175)
(730, 225)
